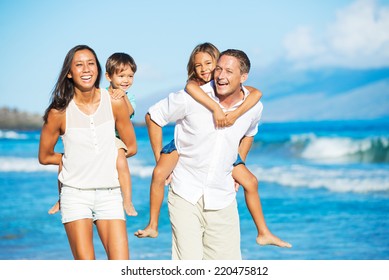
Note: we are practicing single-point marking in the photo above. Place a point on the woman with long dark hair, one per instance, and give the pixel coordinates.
(85, 117)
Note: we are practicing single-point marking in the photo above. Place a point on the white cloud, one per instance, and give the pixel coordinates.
(359, 38)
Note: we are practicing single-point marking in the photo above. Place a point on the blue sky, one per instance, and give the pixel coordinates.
(307, 56)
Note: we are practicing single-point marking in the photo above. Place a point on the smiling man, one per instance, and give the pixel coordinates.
(202, 198)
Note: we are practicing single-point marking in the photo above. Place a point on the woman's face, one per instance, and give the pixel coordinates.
(83, 70)
(204, 65)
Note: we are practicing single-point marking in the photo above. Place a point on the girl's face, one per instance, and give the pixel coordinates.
(83, 70)
(204, 66)
(122, 80)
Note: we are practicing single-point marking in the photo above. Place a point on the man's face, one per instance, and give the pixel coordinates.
(228, 77)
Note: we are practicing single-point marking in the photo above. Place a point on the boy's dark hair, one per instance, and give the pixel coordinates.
(117, 62)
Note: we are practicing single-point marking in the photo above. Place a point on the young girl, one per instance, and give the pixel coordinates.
(120, 69)
(201, 65)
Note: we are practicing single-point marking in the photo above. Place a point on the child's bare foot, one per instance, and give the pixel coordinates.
(130, 209)
(270, 239)
(147, 232)
(54, 209)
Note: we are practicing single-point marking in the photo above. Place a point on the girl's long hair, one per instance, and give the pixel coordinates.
(205, 48)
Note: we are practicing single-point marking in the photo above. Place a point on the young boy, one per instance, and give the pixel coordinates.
(120, 70)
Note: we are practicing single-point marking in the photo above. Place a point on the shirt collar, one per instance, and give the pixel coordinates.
(212, 94)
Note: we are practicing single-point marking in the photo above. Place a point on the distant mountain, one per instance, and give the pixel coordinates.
(326, 94)
(15, 119)
(280, 82)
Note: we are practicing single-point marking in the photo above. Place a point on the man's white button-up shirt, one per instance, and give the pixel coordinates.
(206, 154)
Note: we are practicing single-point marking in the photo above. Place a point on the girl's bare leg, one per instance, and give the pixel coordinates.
(80, 236)
(113, 235)
(162, 170)
(125, 183)
(250, 184)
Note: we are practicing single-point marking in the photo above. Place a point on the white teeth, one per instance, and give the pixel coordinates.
(86, 77)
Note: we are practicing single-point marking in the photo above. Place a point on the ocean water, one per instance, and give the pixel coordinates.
(324, 187)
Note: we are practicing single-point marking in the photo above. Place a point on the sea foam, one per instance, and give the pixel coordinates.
(17, 164)
(370, 149)
(337, 180)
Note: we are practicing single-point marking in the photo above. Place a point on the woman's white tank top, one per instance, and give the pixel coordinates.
(90, 153)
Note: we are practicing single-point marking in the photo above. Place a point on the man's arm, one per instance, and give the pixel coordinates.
(155, 136)
(245, 145)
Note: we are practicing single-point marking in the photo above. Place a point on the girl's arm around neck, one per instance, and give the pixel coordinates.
(194, 90)
(252, 99)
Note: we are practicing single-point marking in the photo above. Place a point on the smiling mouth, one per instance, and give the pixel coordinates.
(221, 84)
(206, 76)
(86, 78)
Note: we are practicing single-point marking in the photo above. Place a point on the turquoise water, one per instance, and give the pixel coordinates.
(324, 188)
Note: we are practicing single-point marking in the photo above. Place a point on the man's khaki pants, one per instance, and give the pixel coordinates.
(203, 234)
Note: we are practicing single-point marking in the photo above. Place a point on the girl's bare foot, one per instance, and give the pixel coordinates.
(270, 239)
(54, 209)
(147, 232)
(130, 209)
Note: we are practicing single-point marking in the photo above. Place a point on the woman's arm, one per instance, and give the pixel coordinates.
(124, 126)
(252, 99)
(49, 137)
(129, 105)
(193, 89)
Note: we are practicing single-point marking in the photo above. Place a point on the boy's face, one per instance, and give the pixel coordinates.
(122, 80)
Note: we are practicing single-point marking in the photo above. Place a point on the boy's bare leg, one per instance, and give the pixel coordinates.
(57, 206)
(125, 183)
(54, 209)
(162, 170)
(250, 184)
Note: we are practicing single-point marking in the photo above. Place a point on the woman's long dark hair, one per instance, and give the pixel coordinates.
(63, 91)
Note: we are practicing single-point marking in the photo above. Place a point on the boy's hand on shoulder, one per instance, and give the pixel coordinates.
(117, 93)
